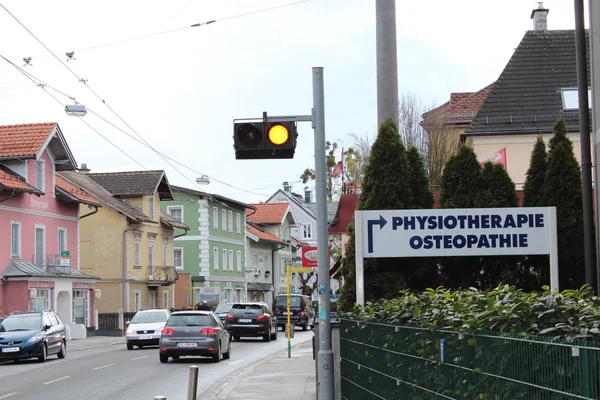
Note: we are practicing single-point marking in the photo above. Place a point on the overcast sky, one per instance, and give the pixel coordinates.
(180, 91)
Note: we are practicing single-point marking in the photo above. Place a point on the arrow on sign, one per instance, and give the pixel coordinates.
(381, 222)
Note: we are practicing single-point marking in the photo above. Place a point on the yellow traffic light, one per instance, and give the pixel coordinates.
(278, 134)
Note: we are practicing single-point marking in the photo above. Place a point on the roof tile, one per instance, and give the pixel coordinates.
(78, 194)
(129, 183)
(23, 140)
(263, 235)
(268, 213)
(14, 182)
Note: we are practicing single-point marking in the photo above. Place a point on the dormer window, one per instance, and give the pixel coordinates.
(40, 179)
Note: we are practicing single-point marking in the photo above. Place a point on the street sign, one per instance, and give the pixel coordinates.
(455, 232)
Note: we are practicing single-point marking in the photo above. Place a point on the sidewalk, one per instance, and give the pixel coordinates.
(92, 342)
(276, 377)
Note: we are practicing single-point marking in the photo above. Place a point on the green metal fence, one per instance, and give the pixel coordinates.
(381, 361)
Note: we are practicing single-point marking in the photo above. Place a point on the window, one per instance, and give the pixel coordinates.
(178, 257)
(137, 300)
(151, 207)
(152, 299)
(256, 260)
(239, 261)
(164, 251)
(231, 260)
(238, 223)
(40, 178)
(40, 246)
(41, 301)
(216, 257)
(80, 307)
(570, 98)
(230, 218)
(224, 219)
(62, 240)
(176, 212)
(15, 240)
(224, 260)
(151, 254)
(307, 231)
(136, 249)
(215, 217)
(165, 299)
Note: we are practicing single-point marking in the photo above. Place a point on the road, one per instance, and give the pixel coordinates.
(113, 372)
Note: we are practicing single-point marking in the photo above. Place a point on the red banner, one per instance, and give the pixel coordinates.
(498, 157)
(309, 257)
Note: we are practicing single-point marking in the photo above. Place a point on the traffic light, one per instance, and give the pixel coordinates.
(264, 139)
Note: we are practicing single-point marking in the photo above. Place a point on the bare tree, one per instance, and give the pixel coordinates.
(442, 143)
(410, 114)
(307, 287)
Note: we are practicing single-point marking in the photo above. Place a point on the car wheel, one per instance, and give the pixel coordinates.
(274, 335)
(63, 350)
(267, 337)
(283, 328)
(217, 357)
(163, 358)
(227, 356)
(44, 355)
(304, 327)
(129, 346)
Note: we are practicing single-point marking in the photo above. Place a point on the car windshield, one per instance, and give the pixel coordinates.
(21, 323)
(246, 309)
(281, 301)
(223, 308)
(149, 317)
(189, 320)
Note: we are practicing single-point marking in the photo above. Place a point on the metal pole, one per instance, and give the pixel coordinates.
(359, 260)
(589, 241)
(325, 356)
(387, 61)
(289, 311)
(193, 383)
(594, 10)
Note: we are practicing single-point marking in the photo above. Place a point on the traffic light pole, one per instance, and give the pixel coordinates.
(325, 377)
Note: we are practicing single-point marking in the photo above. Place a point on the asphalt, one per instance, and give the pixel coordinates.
(275, 377)
(94, 342)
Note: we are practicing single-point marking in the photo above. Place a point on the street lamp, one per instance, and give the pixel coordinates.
(203, 180)
(76, 110)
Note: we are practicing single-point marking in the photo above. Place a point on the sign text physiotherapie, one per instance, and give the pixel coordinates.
(454, 232)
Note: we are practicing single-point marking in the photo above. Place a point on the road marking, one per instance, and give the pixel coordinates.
(234, 362)
(56, 380)
(104, 366)
(8, 395)
(139, 358)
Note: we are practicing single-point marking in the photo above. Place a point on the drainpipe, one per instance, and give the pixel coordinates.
(10, 196)
(123, 294)
(183, 234)
(91, 213)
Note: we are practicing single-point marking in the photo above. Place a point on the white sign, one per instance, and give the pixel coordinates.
(456, 232)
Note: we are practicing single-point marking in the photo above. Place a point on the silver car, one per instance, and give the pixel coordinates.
(144, 328)
(194, 333)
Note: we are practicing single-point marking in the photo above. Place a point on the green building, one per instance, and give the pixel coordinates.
(210, 259)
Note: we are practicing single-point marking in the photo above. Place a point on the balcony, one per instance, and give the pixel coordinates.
(52, 263)
(161, 275)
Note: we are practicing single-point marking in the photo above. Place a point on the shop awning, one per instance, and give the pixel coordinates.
(260, 287)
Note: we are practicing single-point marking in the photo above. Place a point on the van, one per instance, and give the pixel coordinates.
(302, 312)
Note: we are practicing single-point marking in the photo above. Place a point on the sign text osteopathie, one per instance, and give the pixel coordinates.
(456, 232)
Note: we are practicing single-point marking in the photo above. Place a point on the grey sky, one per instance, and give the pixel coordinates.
(181, 90)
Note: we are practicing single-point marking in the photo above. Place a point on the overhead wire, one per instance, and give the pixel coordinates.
(45, 85)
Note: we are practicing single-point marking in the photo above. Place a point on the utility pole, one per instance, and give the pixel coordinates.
(594, 10)
(387, 61)
(589, 241)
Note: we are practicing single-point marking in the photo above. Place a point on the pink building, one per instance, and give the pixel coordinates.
(39, 227)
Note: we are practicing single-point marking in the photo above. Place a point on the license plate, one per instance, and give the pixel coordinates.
(144, 337)
(244, 320)
(191, 344)
(10, 349)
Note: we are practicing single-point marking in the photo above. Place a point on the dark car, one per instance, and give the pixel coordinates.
(222, 310)
(302, 312)
(32, 335)
(194, 333)
(251, 320)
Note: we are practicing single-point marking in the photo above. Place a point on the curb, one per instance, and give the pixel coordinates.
(220, 391)
(96, 346)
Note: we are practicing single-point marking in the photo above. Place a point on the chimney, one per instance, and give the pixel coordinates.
(287, 187)
(540, 17)
(307, 195)
(84, 169)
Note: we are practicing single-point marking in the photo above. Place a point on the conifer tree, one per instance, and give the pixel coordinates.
(533, 190)
(418, 181)
(562, 189)
(497, 189)
(461, 180)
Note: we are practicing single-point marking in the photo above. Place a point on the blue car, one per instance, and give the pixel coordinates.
(32, 335)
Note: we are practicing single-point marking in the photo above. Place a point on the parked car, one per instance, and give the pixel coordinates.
(222, 310)
(194, 333)
(32, 335)
(302, 311)
(144, 328)
(252, 320)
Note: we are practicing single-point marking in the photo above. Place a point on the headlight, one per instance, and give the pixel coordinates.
(130, 330)
(35, 338)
